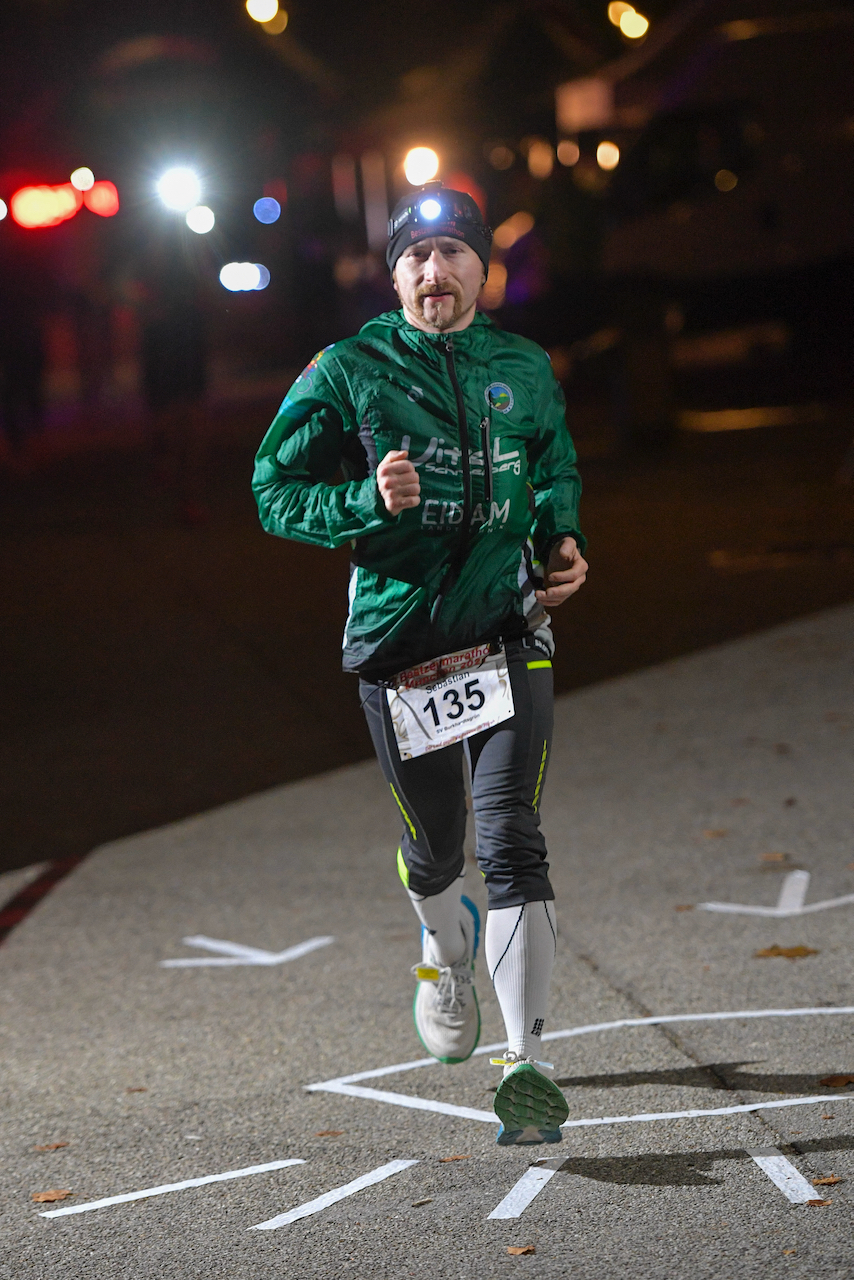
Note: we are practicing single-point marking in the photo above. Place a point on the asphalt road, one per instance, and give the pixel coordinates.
(149, 671)
(707, 778)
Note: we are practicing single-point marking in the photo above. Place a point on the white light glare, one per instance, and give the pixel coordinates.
(244, 277)
(179, 189)
(3, 210)
(200, 219)
(82, 179)
(607, 155)
(430, 209)
(421, 164)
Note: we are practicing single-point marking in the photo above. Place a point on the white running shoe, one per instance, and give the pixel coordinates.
(445, 1008)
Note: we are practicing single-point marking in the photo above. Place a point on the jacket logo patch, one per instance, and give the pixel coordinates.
(415, 394)
(499, 396)
(305, 376)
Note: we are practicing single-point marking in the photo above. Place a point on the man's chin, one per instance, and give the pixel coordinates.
(440, 312)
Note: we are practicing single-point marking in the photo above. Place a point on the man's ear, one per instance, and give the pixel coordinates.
(394, 282)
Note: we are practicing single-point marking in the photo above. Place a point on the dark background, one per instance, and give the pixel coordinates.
(159, 654)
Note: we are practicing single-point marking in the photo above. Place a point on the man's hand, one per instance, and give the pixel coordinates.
(566, 571)
(397, 481)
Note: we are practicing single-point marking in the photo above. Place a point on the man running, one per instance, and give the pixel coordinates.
(460, 484)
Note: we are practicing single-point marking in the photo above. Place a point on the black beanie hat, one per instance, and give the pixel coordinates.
(434, 210)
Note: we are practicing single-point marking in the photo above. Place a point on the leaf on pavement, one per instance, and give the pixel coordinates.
(837, 1082)
(518, 1249)
(329, 1133)
(684, 906)
(817, 1204)
(789, 953)
(449, 1159)
(790, 1251)
(830, 1181)
(44, 1197)
(51, 1146)
(416, 1204)
(138, 1088)
(774, 857)
(716, 833)
(828, 1117)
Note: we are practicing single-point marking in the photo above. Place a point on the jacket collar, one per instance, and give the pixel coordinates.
(393, 327)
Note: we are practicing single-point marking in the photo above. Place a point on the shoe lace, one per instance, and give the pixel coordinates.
(449, 979)
(513, 1059)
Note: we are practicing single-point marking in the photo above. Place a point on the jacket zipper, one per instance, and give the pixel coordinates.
(452, 573)
(486, 445)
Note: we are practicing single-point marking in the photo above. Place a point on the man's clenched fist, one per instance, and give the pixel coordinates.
(397, 481)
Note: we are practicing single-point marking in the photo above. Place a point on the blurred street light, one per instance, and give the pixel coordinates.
(725, 180)
(513, 229)
(421, 164)
(495, 287)
(500, 157)
(267, 210)
(102, 198)
(616, 9)
(568, 152)
(634, 25)
(276, 25)
(541, 158)
(262, 10)
(244, 277)
(607, 155)
(179, 189)
(3, 210)
(200, 219)
(83, 179)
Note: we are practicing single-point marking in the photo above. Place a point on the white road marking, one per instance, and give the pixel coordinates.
(347, 1084)
(697, 1113)
(233, 953)
(331, 1197)
(404, 1100)
(529, 1185)
(375, 1072)
(793, 892)
(169, 1186)
(784, 1175)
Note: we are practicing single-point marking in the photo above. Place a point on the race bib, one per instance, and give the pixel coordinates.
(449, 698)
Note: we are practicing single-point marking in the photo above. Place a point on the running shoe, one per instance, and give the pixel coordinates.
(445, 1008)
(531, 1107)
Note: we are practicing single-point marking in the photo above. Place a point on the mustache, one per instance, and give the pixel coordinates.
(435, 292)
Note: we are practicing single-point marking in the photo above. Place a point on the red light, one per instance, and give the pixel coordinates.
(103, 199)
(44, 206)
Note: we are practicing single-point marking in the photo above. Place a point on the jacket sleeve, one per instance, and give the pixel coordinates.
(552, 471)
(297, 459)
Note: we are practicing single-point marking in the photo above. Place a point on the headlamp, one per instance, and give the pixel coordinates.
(439, 205)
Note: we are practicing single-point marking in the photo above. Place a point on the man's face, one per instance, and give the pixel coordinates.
(438, 281)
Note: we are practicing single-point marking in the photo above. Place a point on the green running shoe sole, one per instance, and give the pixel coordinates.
(531, 1109)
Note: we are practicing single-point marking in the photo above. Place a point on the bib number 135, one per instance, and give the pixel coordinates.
(470, 698)
(428, 717)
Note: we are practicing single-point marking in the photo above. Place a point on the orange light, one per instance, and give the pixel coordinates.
(103, 199)
(45, 206)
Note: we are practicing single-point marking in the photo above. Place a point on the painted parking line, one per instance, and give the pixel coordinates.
(234, 953)
(523, 1192)
(332, 1197)
(783, 1174)
(169, 1186)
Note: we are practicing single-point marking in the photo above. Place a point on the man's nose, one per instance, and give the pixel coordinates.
(434, 267)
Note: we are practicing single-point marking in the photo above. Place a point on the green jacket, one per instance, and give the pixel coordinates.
(483, 419)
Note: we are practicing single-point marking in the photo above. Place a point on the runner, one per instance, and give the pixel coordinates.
(460, 484)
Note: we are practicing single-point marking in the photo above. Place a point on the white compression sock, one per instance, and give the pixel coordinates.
(520, 952)
(441, 914)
